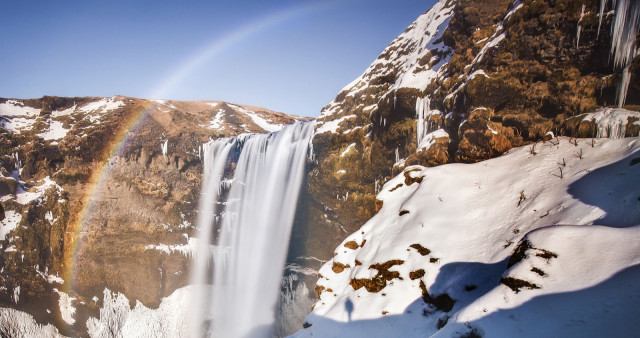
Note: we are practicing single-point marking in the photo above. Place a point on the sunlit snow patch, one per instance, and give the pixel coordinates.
(55, 132)
(66, 308)
(10, 222)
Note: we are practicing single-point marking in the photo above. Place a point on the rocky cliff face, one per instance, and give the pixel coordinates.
(123, 225)
(467, 81)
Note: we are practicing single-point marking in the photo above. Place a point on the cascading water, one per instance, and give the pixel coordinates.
(215, 159)
(250, 252)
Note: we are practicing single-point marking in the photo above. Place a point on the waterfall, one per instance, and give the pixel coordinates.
(215, 159)
(251, 248)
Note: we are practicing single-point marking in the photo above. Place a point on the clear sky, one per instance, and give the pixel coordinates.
(292, 56)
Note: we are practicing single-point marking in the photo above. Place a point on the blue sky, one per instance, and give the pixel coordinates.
(290, 56)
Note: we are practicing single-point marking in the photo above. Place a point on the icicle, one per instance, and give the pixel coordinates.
(395, 100)
(579, 27)
(16, 158)
(602, 5)
(623, 86)
(397, 155)
(623, 38)
(16, 294)
(164, 147)
(625, 31)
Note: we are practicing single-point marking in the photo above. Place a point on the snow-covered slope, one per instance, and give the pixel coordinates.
(414, 59)
(16, 116)
(440, 252)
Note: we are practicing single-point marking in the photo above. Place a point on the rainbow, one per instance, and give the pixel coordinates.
(133, 122)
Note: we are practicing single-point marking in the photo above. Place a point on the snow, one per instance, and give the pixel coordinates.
(333, 125)
(403, 56)
(346, 151)
(13, 108)
(55, 132)
(601, 293)
(491, 129)
(612, 122)
(185, 249)
(49, 217)
(16, 323)
(476, 73)
(97, 109)
(341, 171)
(471, 217)
(35, 193)
(430, 139)
(103, 105)
(517, 4)
(257, 119)
(498, 34)
(16, 117)
(217, 122)
(17, 124)
(118, 320)
(263, 123)
(431, 24)
(50, 278)
(62, 113)
(167, 103)
(10, 222)
(66, 307)
(495, 40)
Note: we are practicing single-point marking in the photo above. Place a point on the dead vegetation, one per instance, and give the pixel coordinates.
(422, 250)
(516, 284)
(379, 281)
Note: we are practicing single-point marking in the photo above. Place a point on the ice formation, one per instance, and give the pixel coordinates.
(424, 112)
(612, 122)
(165, 145)
(625, 30)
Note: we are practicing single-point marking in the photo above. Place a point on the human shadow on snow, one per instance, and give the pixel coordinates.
(463, 281)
